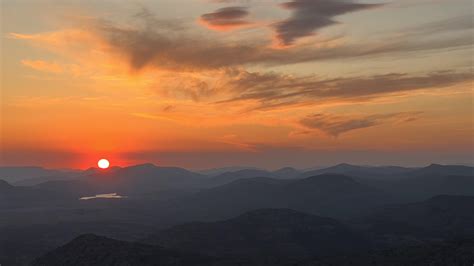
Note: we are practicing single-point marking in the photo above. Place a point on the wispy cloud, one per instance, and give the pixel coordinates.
(272, 90)
(41, 65)
(201, 69)
(157, 44)
(335, 125)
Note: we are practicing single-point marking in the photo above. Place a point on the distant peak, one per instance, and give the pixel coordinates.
(330, 176)
(285, 169)
(88, 238)
(345, 165)
(144, 166)
(4, 183)
(328, 179)
(272, 211)
(442, 198)
(433, 165)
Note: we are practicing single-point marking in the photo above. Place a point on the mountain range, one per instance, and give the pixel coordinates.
(168, 208)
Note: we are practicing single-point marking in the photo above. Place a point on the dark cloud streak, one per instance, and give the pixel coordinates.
(310, 15)
(335, 125)
(272, 89)
(226, 18)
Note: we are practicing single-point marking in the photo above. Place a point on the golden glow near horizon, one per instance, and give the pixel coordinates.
(181, 83)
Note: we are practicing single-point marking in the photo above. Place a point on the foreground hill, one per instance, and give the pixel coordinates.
(94, 250)
(450, 253)
(407, 234)
(261, 237)
(326, 195)
(264, 233)
(443, 216)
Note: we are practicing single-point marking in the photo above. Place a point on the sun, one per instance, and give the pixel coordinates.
(103, 163)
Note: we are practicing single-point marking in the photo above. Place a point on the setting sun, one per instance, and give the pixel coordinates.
(103, 163)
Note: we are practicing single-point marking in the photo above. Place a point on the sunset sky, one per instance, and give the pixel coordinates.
(202, 83)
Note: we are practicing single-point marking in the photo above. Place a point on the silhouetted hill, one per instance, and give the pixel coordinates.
(328, 195)
(15, 174)
(138, 179)
(4, 185)
(426, 186)
(441, 216)
(73, 176)
(228, 177)
(16, 197)
(333, 195)
(94, 250)
(286, 173)
(229, 200)
(444, 170)
(409, 184)
(70, 188)
(217, 171)
(360, 171)
(145, 178)
(452, 253)
(264, 233)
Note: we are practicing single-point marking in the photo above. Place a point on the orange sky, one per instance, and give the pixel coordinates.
(208, 84)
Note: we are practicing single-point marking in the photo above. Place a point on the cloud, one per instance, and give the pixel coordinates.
(43, 66)
(168, 108)
(272, 90)
(310, 15)
(453, 24)
(335, 125)
(159, 45)
(225, 19)
(179, 65)
(164, 48)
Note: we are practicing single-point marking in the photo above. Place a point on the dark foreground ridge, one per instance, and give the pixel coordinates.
(264, 234)
(92, 250)
(449, 253)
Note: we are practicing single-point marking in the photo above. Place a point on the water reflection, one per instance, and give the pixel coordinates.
(104, 196)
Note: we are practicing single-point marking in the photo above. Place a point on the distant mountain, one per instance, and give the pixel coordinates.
(455, 253)
(133, 180)
(286, 173)
(410, 184)
(145, 178)
(15, 197)
(69, 188)
(420, 187)
(4, 185)
(77, 175)
(93, 250)
(444, 170)
(15, 174)
(264, 233)
(327, 195)
(217, 171)
(333, 195)
(228, 177)
(359, 171)
(441, 216)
